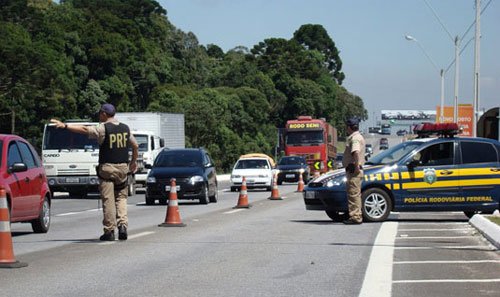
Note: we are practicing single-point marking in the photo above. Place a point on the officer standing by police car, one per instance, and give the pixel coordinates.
(353, 161)
(114, 140)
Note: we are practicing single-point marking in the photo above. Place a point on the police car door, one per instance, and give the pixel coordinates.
(479, 173)
(429, 178)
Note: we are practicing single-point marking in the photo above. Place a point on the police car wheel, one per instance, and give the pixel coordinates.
(337, 216)
(376, 205)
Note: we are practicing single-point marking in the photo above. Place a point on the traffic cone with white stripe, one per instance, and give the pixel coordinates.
(300, 185)
(7, 259)
(173, 218)
(243, 197)
(275, 194)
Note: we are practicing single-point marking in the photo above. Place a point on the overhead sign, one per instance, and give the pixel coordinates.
(465, 115)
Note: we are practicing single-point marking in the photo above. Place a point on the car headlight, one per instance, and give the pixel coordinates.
(195, 179)
(235, 176)
(335, 182)
(301, 170)
(263, 175)
(151, 180)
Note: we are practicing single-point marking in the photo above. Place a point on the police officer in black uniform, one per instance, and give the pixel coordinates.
(114, 140)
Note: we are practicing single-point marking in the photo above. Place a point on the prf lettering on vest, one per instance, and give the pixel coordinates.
(118, 140)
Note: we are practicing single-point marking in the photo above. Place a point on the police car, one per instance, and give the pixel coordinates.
(444, 173)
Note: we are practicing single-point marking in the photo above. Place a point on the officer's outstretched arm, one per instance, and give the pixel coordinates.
(73, 128)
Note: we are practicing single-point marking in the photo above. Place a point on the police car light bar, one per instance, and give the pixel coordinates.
(440, 129)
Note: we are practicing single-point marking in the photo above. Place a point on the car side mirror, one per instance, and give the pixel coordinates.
(148, 166)
(162, 142)
(18, 167)
(208, 165)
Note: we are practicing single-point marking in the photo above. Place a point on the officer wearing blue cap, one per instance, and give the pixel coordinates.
(114, 140)
(353, 162)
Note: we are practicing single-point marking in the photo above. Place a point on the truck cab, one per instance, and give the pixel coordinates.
(150, 146)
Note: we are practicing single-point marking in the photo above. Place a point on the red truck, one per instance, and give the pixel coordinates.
(314, 139)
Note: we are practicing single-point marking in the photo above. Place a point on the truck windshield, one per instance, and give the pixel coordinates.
(304, 138)
(63, 139)
(142, 141)
(394, 154)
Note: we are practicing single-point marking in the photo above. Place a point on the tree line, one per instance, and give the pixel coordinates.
(64, 59)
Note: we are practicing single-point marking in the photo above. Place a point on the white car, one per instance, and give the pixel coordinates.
(258, 172)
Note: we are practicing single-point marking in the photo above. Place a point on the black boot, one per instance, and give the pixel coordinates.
(108, 236)
(122, 232)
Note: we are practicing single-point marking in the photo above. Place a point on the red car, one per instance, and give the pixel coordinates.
(23, 178)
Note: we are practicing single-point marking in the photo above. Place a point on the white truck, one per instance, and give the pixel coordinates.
(153, 131)
(70, 160)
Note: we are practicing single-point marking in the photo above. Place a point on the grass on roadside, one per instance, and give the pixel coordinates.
(495, 220)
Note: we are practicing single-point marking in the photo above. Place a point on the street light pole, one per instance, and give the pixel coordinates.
(441, 74)
(476, 69)
(457, 67)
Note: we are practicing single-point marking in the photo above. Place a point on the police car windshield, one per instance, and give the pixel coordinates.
(393, 154)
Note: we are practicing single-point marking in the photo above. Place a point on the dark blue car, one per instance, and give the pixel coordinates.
(193, 170)
(291, 167)
(428, 174)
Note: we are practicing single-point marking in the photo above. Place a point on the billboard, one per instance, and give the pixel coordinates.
(409, 115)
(465, 117)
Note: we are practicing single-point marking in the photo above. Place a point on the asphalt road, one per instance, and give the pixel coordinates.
(275, 248)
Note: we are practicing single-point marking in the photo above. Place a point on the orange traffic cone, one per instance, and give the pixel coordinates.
(275, 194)
(7, 259)
(173, 218)
(300, 185)
(243, 198)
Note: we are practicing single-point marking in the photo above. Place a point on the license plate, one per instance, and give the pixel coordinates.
(290, 175)
(310, 195)
(167, 188)
(72, 180)
(250, 181)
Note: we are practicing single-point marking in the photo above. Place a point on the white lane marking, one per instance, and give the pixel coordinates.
(434, 223)
(447, 262)
(66, 214)
(451, 247)
(141, 234)
(378, 276)
(421, 281)
(434, 237)
(430, 230)
(233, 211)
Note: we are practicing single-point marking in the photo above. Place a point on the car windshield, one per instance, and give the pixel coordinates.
(304, 138)
(178, 159)
(292, 161)
(252, 164)
(394, 154)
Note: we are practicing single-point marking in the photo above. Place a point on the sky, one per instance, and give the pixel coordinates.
(381, 66)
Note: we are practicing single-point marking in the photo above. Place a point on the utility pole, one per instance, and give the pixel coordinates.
(476, 69)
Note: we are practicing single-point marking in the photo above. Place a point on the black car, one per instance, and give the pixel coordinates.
(401, 132)
(290, 168)
(193, 170)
